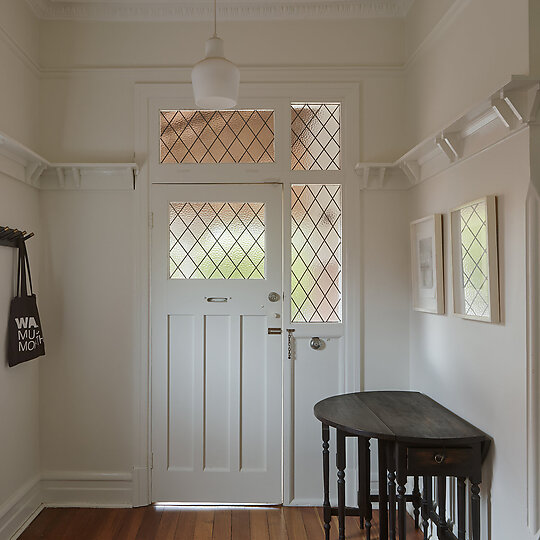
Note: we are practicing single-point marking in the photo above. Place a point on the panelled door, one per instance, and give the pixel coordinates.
(216, 354)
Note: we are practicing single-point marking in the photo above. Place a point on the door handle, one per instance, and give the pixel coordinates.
(217, 299)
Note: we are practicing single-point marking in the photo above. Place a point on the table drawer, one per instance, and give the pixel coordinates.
(440, 461)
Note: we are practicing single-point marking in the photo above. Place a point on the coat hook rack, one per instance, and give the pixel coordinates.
(10, 237)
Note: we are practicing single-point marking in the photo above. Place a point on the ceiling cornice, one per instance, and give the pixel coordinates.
(229, 10)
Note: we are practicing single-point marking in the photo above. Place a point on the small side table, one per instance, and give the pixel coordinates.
(416, 437)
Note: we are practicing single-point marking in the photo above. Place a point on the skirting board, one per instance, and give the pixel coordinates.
(92, 489)
(63, 489)
(20, 509)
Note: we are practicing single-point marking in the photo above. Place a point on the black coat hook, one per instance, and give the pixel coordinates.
(10, 237)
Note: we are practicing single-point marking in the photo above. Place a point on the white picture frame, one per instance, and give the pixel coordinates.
(475, 261)
(427, 270)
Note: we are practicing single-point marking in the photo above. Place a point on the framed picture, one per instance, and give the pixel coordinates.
(475, 265)
(427, 264)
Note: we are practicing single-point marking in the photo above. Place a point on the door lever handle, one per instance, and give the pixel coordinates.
(217, 299)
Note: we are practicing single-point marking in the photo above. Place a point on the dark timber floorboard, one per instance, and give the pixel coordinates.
(181, 523)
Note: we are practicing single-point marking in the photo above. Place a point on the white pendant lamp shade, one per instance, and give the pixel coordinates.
(215, 80)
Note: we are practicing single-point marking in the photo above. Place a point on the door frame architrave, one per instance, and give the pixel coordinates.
(148, 97)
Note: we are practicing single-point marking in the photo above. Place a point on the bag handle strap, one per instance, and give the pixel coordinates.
(23, 268)
(28, 267)
(20, 262)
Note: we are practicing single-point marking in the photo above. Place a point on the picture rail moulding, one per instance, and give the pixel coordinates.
(19, 162)
(513, 107)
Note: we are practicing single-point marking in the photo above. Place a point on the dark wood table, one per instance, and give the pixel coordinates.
(416, 437)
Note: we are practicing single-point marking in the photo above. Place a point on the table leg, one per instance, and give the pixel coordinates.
(341, 463)
(441, 503)
(475, 509)
(383, 494)
(367, 488)
(327, 511)
(401, 467)
(461, 508)
(391, 492)
(362, 458)
(427, 501)
(417, 501)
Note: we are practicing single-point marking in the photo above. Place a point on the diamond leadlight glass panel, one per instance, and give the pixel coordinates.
(239, 136)
(474, 259)
(216, 240)
(315, 136)
(316, 253)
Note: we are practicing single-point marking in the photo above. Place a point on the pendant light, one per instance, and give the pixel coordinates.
(215, 80)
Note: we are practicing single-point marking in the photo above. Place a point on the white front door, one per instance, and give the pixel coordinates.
(216, 369)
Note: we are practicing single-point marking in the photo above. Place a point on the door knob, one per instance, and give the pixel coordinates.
(316, 343)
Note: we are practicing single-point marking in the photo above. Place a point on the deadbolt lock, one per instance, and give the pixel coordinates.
(273, 297)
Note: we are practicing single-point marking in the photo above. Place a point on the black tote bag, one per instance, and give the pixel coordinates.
(25, 336)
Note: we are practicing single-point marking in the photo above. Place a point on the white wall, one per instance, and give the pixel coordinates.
(88, 301)
(385, 257)
(475, 50)
(19, 83)
(369, 42)
(478, 369)
(19, 386)
(19, 208)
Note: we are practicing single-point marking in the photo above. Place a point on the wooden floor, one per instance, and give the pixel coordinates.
(170, 523)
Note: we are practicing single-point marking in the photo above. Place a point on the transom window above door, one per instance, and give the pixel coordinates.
(315, 136)
(248, 136)
(229, 136)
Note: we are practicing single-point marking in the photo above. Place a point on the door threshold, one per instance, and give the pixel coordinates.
(220, 506)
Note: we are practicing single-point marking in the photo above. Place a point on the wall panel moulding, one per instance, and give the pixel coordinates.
(512, 108)
(19, 162)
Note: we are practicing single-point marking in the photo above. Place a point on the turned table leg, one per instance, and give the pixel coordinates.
(475, 509)
(391, 492)
(341, 463)
(441, 503)
(383, 494)
(461, 508)
(401, 467)
(417, 501)
(427, 501)
(367, 490)
(327, 511)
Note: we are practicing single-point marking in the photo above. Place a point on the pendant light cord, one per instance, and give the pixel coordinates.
(215, 18)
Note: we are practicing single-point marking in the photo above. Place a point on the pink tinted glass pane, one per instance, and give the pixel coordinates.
(239, 136)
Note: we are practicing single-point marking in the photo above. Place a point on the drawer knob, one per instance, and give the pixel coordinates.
(439, 458)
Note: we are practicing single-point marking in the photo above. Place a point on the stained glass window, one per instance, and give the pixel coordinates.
(474, 259)
(216, 240)
(315, 136)
(316, 253)
(200, 136)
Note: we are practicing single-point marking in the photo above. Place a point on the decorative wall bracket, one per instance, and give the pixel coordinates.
(25, 165)
(19, 162)
(513, 107)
